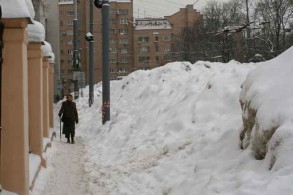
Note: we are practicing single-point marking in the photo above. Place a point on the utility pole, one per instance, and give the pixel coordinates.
(91, 56)
(105, 60)
(1, 61)
(105, 5)
(75, 52)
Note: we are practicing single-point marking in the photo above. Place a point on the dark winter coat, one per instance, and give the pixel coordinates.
(69, 117)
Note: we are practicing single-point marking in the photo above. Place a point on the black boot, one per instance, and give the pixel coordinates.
(72, 140)
(68, 140)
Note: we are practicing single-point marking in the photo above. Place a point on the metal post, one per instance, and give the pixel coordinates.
(91, 56)
(75, 51)
(105, 61)
(1, 61)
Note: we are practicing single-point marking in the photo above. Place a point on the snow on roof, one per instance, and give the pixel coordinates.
(17, 9)
(151, 24)
(36, 32)
(121, 1)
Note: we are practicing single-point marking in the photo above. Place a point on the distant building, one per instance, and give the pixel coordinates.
(186, 17)
(66, 16)
(152, 42)
(121, 39)
(141, 43)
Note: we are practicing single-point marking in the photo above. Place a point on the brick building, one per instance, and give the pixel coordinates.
(152, 42)
(141, 43)
(185, 17)
(66, 16)
(121, 39)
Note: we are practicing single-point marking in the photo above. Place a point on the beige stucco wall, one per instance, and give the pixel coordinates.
(35, 69)
(14, 139)
(45, 97)
(51, 95)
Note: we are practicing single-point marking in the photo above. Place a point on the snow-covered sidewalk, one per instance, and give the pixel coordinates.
(65, 172)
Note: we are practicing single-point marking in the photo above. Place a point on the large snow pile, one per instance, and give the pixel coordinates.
(267, 100)
(176, 130)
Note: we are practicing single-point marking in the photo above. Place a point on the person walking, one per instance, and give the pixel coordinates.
(69, 118)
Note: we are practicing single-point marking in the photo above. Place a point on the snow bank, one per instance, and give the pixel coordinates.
(267, 102)
(175, 130)
(34, 163)
(17, 9)
(36, 32)
(4, 192)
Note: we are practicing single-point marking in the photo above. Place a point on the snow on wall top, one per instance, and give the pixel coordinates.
(47, 51)
(152, 23)
(36, 32)
(17, 9)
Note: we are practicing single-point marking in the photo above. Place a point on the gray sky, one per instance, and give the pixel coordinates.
(159, 8)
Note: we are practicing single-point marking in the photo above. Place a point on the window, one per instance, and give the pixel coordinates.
(143, 59)
(123, 41)
(123, 11)
(157, 58)
(69, 71)
(62, 51)
(61, 23)
(112, 70)
(113, 11)
(70, 23)
(122, 69)
(156, 39)
(62, 61)
(124, 21)
(113, 21)
(70, 52)
(167, 57)
(70, 42)
(112, 41)
(167, 38)
(123, 31)
(144, 49)
(167, 49)
(143, 39)
(157, 48)
(69, 32)
(124, 50)
(124, 61)
(112, 30)
(113, 50)
(70, 13)
(70, 62)
(113, 61)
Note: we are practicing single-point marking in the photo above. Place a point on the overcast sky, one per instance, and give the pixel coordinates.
(159, 8)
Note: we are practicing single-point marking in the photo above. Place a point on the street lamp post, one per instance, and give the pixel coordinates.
(1, 61)
(105, 5)
(75, 51)
(91, 57)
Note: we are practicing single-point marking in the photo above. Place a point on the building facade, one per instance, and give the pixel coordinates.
(141, 43)
(184, 18)
(66, 16)
(152, 42)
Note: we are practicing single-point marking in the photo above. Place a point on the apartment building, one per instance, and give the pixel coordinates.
(152, 42)
(143, 43)
(121, 39)
(185, 17)
(66, 16)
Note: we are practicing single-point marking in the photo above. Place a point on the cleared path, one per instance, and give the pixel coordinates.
(65, 173)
